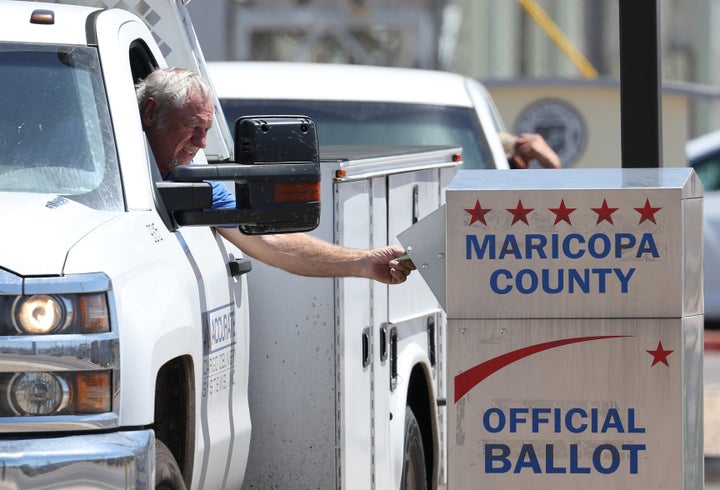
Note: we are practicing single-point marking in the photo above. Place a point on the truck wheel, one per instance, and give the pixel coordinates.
(167, 472)
(413, 474)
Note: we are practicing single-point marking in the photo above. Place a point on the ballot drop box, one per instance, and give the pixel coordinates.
(575, 329)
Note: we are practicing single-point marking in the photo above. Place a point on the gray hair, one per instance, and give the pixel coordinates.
(170, 88)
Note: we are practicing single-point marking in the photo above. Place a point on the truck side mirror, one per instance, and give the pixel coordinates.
(275, 139)
(277, 182)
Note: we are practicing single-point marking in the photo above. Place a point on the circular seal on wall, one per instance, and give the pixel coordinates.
(559, 123)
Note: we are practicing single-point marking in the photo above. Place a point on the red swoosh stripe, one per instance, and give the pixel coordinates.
(467, 380)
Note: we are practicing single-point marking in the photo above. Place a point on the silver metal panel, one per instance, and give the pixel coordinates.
(10, 283)
(363, 162)
(683, 179)
(114, 461)
(575, 331)
(411, 196)
(693, 271)
(380, 427)
(73, 283)
(693, 401)
(293, 363)
(572, 243)
(354, 378)
(575, 403)
(425, 244)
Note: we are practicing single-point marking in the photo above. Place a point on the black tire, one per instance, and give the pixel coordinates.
(414, 472)
(167, 472)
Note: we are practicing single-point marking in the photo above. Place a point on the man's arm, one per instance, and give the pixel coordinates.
(306, 255)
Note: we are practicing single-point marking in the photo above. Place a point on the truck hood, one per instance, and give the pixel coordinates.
(38, 230)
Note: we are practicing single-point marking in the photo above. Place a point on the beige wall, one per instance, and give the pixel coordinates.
(598, 106)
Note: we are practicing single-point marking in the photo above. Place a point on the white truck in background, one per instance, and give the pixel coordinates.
(135, 348)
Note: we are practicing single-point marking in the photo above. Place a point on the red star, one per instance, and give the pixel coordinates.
(605, 213)
(647, 212)
(660, 355)
(520, 213)
(477, 213)
(562, 213)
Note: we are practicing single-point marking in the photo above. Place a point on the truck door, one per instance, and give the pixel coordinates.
(412, 196)
(223, 400)
(354, 305)
(219, 350)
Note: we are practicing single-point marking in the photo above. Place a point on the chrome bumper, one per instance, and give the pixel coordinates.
(117, 460)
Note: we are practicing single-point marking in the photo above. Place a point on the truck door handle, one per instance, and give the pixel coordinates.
(415, 204)
(384, 343)
(238, 267)
(366, 347)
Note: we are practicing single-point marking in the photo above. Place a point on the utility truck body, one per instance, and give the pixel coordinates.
(338, 366)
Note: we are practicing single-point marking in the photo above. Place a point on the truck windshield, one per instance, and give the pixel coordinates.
(378, 124)
(55, 130)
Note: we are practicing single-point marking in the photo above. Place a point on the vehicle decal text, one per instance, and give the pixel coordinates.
(218, 350)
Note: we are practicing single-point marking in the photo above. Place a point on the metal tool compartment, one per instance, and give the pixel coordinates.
(320, 395)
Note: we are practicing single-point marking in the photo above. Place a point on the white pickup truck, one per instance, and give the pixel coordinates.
(136, 345)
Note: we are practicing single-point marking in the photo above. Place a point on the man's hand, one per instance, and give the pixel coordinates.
(383, 265)
(528, 147)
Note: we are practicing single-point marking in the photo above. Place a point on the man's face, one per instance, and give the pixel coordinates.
(176, 135)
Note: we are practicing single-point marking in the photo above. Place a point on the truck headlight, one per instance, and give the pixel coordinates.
(47, 393)
(42, 313)
(38, 393)
(73, 313)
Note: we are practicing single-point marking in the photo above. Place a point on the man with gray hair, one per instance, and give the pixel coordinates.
(176, 111)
